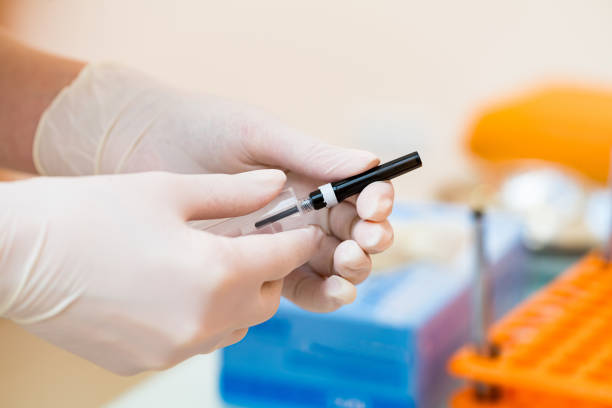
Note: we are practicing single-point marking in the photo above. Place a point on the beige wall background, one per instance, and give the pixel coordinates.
(389, 76)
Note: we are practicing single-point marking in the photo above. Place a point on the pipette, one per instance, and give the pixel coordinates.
(330, 194)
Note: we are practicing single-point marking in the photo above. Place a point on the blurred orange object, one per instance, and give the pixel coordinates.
(565, 125)
(555, 348)
(520, 399)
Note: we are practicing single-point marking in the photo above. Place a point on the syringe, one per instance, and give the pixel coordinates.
(326, 196)
(330, 194)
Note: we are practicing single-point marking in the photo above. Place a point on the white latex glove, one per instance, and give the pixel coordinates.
(114, 120)
(107, 268)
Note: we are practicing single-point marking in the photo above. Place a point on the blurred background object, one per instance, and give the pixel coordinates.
(546, 157)
(390, 77)
(389, 348)
(571, 126)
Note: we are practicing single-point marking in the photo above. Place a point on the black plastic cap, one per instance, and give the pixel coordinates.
(354, 185)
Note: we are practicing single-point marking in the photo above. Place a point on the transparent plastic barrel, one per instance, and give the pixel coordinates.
(286, 202)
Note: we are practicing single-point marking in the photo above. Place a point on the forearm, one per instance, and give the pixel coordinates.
(29, 80)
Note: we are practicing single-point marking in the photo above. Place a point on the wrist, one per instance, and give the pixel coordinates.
(30, 80)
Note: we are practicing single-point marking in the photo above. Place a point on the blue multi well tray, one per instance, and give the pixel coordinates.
(389, 348)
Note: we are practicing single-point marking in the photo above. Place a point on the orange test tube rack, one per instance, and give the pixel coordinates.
(555, 349)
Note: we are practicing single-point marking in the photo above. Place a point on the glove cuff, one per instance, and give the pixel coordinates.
(74, 133)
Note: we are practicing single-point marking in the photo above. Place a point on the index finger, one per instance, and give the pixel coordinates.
(277, 145)
(273, 256)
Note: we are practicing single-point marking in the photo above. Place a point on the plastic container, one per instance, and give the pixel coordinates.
(390, 347)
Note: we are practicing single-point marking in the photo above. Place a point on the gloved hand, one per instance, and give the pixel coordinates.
(114, 120)
(107, 268)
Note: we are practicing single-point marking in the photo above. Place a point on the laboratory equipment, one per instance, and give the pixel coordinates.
(277, 209)
(387, 349)
(554, 348)
(483, 299)
(270, 218)
(483, 303)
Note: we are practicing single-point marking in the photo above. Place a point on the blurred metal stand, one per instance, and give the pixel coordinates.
(483, 306)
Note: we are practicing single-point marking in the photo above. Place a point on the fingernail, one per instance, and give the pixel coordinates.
(266, 176)
(314, 230)
(369, 234)
(354, 249)
(340, 289)
(384, 205)
(367, 156)
(368, 209)
(351, 255)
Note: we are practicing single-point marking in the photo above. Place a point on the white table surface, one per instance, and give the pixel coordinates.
(193, 383)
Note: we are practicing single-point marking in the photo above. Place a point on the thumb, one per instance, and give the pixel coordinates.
(280, 146)
(268, 257)
(212, 196)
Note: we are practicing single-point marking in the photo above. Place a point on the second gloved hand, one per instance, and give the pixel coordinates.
(107, 267)
(116, 120)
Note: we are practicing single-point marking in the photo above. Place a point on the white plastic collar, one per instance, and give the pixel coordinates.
(328, 195)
